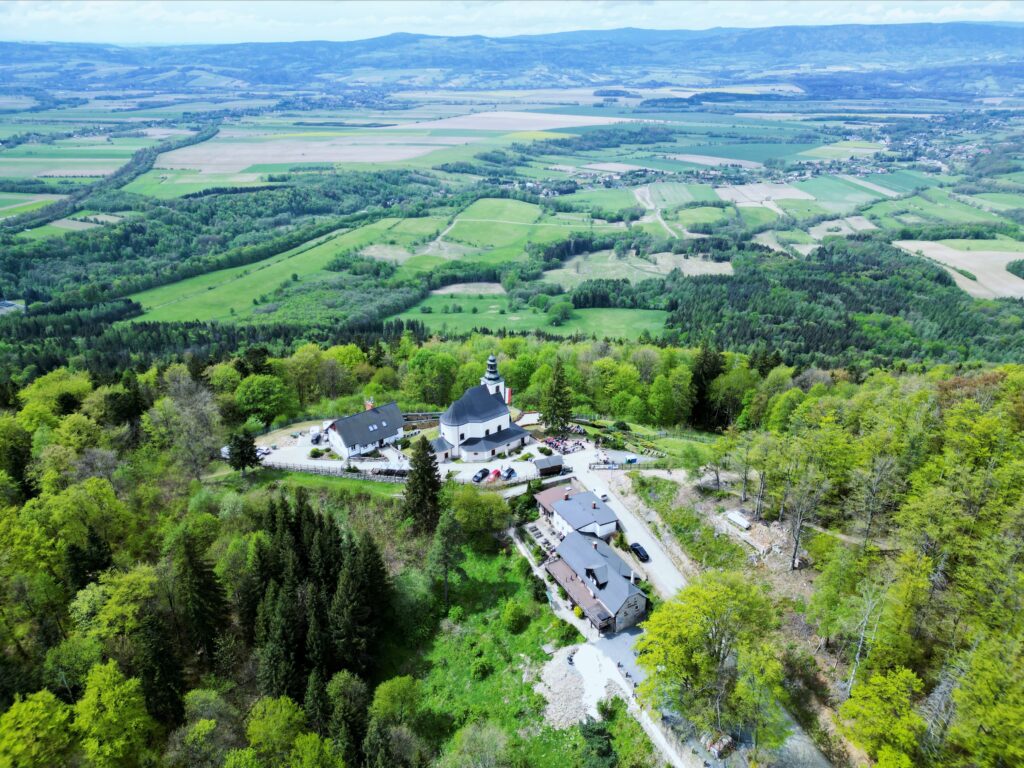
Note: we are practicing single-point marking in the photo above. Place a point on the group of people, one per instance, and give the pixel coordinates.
(564, 446)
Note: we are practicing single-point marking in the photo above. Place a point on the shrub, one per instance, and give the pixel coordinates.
(540, 590)
(456, 614)
(577, 612)
(514, 617)
(316, 453)
(481, 669)
(544, 450)
(562, 593)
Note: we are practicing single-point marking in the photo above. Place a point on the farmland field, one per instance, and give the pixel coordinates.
(12, 204)
(988, 268)
(667, 193)
(934, 205)
(687, 217)
(605, 264)
(493, 313)
(604, 198)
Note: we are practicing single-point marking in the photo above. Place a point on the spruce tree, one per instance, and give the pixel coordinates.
(422, 487)
(242, 451)
(445, 552)
(708, 365)
(556, 402)
(201, 598)
(316, 704)
(159, 669)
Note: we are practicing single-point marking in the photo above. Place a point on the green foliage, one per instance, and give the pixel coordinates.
(263, 396)
(421, 502)
(272, 728)
(111, 720)
(882, 715)
(35, 732)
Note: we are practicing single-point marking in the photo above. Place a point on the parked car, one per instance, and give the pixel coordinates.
(566, 471)
(480, 475)
(509, 473)
(602, 494)
(640, 552)
(495, 474)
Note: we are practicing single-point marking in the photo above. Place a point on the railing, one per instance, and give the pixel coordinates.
(335, 471)
(422, 416)
(604, 465)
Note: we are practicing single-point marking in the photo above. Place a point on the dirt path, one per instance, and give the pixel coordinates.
(643, 196)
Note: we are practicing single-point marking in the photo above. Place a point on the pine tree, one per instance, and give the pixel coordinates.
(159, 670)
(445, 552)
(708, 365)
(422, 487)
(242, 451)
(201, 597)
(556, 402)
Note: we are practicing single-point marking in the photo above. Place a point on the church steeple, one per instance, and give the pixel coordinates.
(492, 379)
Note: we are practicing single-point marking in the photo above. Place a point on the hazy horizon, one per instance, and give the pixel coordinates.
(217, 21)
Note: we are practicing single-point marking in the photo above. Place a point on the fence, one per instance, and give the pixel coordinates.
(336, 471)
(602, 465)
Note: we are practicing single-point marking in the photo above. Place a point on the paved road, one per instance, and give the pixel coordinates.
(661, 571)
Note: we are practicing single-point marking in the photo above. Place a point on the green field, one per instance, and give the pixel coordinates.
(687, 217)
(492, 313)
(166, 183)
(756, 216)
(837, 195)
(931, 205)
(606, 199)
(666, 194)
(44, 232)
(12, 204)
(1004, 244)
(1002, 200)
(903, 182)
(801, 209)
(229, 293)
(844, 149)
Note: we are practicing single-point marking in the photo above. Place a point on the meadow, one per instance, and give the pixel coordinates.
(606, 265)
(492, 312)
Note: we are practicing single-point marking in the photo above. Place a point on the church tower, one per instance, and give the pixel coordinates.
(492, 379)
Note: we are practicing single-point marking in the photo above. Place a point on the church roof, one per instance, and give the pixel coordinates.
(477, 405)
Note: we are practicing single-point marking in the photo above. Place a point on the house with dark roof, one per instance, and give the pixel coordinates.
(583, 513)
(367, 431)
(478, 426)
(598, 581)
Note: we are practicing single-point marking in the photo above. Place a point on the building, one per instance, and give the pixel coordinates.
(366, 431)
(599, 582)
(584, 513)
(478, 426)
(9, 306)
(549, 465)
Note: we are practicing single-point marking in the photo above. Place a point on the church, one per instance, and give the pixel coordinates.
(478, 426)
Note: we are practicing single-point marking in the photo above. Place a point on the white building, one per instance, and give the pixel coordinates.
(478, 426)
(365, 432)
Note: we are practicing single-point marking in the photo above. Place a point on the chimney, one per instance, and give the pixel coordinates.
(566, 497)
(593, 505)
(594, 545)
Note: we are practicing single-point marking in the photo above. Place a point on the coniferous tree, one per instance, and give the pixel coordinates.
(708, 365)
(423, 487)
(556, 402)
(349, 700)
(242, 451)
(159, 670)
(445, 552)
(316, 704)
(201, 598)
(275, 657)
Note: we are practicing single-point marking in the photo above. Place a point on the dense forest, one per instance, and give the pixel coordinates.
(157, 613)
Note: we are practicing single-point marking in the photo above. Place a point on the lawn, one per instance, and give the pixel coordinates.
(492, 312)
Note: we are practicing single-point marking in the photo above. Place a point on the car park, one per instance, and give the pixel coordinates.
(495, 474)
(640, 552)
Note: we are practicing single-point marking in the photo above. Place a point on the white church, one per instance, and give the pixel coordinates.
(478, 426)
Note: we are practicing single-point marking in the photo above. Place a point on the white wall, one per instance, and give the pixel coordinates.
(456, 435)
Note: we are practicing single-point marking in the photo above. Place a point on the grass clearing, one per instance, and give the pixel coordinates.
(605, 264)
(666, 194)
(493, 313)
(687, 217)
(932, 205)
(837, 195)
(607, 199)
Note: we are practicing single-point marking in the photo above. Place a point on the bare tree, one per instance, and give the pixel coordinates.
(195, 422)
(807, 495)
(874, 490)
(871, 595)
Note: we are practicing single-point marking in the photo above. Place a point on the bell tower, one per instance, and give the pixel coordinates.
(492, 379)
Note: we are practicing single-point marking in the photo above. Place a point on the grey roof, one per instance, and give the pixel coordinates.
(583, 509)
(367, 427)
(546, 462)
(478, 404)
(599, 568)
(495, 440)
(439, 444)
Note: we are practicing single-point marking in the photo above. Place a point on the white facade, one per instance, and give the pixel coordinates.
(601, 530)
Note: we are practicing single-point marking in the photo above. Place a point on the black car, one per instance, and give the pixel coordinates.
(479, 476)
(640, 552)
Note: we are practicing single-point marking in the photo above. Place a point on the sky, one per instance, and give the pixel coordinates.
(136, 22)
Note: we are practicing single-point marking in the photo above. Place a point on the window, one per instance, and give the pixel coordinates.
(487, 432)
(462, 435)
(383, 423)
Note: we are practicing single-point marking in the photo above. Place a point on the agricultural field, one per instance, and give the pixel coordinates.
(607, 199)
(666, 194)
(903, 181)
(166, 183)
(13, 204)
(930, 206)
(230, 294)
(605, 264)
(492, 312)
(1002, 200)
(837, 195)
(687, 217)
(756, 216)
(92, 156)
(980, 273)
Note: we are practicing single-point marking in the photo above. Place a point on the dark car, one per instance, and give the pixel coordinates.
(509, 473)
(479, 476)
(640, 552)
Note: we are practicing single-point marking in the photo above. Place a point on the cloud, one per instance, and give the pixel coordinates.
(185, 21)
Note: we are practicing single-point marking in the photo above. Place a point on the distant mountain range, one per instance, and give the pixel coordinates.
(988, 56)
